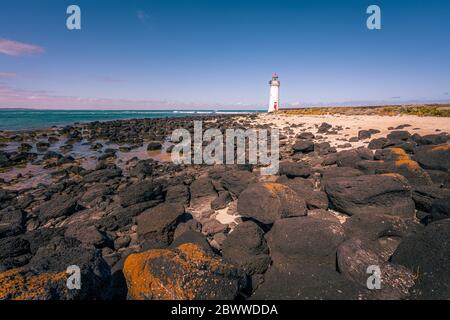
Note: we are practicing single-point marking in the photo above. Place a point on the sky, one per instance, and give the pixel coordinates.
(165, 54)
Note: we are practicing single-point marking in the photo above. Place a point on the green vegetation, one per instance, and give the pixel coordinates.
(428, 110)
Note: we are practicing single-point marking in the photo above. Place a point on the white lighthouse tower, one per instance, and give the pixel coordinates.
(274, 101)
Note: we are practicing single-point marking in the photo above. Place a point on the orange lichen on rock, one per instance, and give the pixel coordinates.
(394, 175)
(184, 273)
(400, 153)
(410, 164)
(275, 187)
(19, 284)
(442, 147)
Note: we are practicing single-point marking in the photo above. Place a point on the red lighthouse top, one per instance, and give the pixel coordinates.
(274, 75)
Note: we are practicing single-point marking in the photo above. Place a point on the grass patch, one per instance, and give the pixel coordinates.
(428, 110)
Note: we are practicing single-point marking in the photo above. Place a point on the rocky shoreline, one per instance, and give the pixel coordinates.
(141, 227)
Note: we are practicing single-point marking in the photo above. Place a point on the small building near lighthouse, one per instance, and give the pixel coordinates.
(274, 100)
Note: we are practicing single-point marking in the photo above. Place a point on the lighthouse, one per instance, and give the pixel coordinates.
(274, 101)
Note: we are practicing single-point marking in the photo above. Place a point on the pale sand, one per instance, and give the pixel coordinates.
(352, 124)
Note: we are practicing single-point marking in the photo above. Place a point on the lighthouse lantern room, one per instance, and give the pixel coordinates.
(274, 101)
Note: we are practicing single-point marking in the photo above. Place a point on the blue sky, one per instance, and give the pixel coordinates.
(199, 53)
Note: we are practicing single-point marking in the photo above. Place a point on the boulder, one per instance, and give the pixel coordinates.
(294, 169)
(178, 193)
(60, 253)
(354, 260)
(324, 127)
(102, 175)
(14, 252)
(60, 205)
(89, 235)
(384, 194)
(303, 146)
(140, 192)
(222, 200)
(236, 181)
(427, 254)
(202, 187)
(156, 225)
(268, 202)
(424, 196)
(303, 251)
(154, 145)
(378, 143)
(396, 160)
(399, 135)
(184, 273)
(434, 157)
(348, 158)
(381, 233)
(193, 237)
(305, 136)
(11, 222)
(336, 172)
(440, 209)
(142, 169)
(246, 248)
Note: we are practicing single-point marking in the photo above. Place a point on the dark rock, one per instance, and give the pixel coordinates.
(382, 233)
(268, 202)
(142, 169)
(89, 236)
(354, 259)
(303, 251)
(378, 143)
(60, 205)
(440, 208)
(386, 194)
(42, 146)
(95, 194)
(305, 136)
(202, 187)
(323, 214)
(424, 196)
(428, 255)
(294, 169)
(324, 127)
(156, 225)
(222, 200)
(337, 172)
(246, 247)
(303, 146)
(364, 134)
(14, 252)
(102, 175)
(154, 145)
(60, 253)
(11, 222)
(123, 217)
(191, 236)
(348, 158)
(236, 181)
(398, 135)
(177, 194)
(140, 192)
(434, 157)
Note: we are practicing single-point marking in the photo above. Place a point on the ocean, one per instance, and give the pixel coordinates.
(24, 119)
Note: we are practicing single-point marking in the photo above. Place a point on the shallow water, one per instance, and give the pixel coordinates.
(21, 119)
(31, 174)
